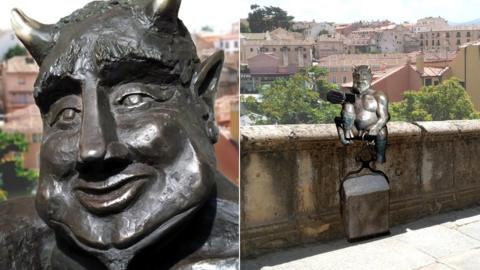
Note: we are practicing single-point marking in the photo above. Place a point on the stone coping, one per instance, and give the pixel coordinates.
(262, 136)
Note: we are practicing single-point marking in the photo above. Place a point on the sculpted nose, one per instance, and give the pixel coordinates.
(92, 133)
(92, 140)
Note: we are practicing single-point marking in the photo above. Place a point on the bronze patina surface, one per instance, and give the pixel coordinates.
(364, 112)
(128, 175)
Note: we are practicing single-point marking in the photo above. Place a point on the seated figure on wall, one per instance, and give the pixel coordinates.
(128, 176)
(364, 113)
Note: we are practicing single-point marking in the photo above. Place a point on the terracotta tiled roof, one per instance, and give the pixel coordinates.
(390, 59)
(279, 42)
(431, 71)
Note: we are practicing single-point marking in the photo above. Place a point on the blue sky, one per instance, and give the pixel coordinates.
(354, 10)
(220, 14)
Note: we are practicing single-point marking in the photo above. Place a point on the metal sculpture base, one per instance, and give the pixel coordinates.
(365, 202)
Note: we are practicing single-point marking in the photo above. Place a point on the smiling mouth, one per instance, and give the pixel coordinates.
(113, 194)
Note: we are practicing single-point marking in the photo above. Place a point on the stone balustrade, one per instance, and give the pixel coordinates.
(291, 174)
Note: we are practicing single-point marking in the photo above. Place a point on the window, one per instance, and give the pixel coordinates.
(458, 34)
(436, 82)
(344, 79)
(426, 42)
(468, 40)
(334, 79)
(433, 42)
(235, 44)
(21, 98)
(305, 55)
(447, 34)
(274, 49)
(421, 42)
(227, 45)
(428, 81)
(438, 42)
(421, 36)
(251, 49)
(468, 34)
(221, 44)
(458, 41)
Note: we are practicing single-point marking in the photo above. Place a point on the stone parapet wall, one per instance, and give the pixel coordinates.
(291, 174)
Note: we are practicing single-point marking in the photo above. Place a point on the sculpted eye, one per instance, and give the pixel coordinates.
(134, 100)
(66, 118)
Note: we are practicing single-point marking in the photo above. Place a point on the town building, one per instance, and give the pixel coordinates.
(466, 67)
(18, 77)
(386, 39)
(326, 45)
(448, 38)
(340, 66)
(312, 30)
(290, 47)
(429, 24)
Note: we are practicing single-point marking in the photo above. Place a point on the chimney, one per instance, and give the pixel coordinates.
(267, 36)
(419, 63)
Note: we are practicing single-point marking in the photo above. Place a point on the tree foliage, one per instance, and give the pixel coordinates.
(293, 101)
(244, 28)
(206, 28)
(268, 18)
(17, 143)
(15, 51)
(446, 101)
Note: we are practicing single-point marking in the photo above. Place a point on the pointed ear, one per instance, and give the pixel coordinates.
(206, 81)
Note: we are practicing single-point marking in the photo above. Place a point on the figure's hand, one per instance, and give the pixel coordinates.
(373, 131)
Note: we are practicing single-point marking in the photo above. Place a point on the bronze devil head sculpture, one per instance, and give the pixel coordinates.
(127, 172)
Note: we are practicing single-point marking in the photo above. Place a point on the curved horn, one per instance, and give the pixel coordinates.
(164, 14)
(37, 37)
(166, 8)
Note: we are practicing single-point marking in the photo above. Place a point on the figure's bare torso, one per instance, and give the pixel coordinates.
(366, 106)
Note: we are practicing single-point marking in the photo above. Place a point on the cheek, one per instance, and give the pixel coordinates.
(157, 138)
(58, 154)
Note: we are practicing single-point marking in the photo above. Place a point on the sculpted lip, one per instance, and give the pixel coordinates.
(115, 193)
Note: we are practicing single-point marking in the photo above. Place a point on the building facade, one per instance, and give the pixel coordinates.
(447, 39)
(18, 77)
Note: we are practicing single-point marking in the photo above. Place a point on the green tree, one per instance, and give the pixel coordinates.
(244, 28)
(268, 18)
(206, 28)
(292, 101)
(17, 143)
(446, 101)
(318, 78)
(15, 51)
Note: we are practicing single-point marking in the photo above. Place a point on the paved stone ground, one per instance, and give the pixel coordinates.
(448, 241)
